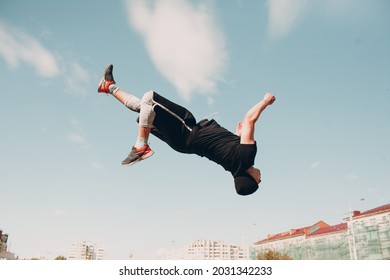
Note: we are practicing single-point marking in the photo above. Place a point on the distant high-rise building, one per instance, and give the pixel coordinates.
(216, 250)
(85, 251)
(4, 253)
(209, 250)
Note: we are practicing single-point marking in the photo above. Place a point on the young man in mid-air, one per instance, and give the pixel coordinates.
(177, 127)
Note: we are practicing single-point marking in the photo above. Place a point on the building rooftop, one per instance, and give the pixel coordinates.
(330, 229)
(304, 231)
(321, 227)
(377, 210)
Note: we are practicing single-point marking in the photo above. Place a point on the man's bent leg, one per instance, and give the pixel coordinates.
(130, 101)
(141, 149)
(146, 119)
(108, 85)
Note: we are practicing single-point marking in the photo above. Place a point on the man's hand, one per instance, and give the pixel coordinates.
(269, 98)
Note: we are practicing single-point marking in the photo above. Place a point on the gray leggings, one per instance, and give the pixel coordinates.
(144, 107)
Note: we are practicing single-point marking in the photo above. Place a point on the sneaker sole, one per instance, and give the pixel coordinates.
(148, 155)
(100, 86)
(103, 79)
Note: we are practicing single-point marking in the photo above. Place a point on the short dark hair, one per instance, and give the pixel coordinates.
(245, 184)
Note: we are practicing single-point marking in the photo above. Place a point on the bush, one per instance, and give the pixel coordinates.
(273, 255)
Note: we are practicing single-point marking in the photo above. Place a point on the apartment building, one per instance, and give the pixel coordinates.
(371, 233)
(216, 250)
(364, 235)
(209, 250)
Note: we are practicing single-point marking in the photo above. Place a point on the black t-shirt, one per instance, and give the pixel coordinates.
(208, 139)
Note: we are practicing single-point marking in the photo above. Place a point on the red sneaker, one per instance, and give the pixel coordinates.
(107, 80)
(136, 155)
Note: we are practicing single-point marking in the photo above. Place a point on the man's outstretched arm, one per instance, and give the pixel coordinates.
(246, 128)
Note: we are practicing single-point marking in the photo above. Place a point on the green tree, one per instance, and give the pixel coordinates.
(60, 258)
(273, 255)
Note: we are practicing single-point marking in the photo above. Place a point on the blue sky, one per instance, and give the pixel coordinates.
(322, 146)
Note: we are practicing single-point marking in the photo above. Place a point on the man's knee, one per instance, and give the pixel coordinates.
(148, 97)
(147, 114)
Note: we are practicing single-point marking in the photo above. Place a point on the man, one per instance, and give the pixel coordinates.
(176, 126)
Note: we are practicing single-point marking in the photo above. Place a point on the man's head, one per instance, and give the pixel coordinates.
(247, 182)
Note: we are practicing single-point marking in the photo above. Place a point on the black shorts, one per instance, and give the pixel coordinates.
(172, 124)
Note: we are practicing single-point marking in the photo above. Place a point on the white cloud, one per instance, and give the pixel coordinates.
(76, 125)
(347, 7)
(284, 15)
(60, 213)
(77, 136)
(210, 101)
(179, 215)
(183, 41)
(351, 177)
(16, 46)
(314, 165)
(77, 79)
(97, 165)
